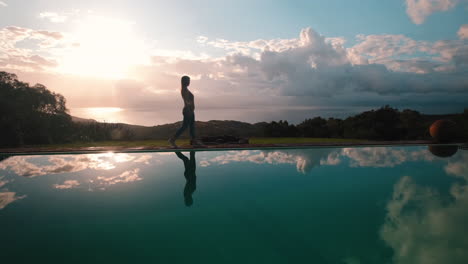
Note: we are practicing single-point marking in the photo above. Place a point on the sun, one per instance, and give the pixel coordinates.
(104, 48)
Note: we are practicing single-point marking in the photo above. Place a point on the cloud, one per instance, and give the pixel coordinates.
(20, 166)
(379, 157)
(463, 32)
(303, 160)
(458, 166)
(317, 67)
(3, 4)
(53, 17)
(311, 70)
(67, 184)
(26, 166)
(28, 59)
(306, 160)
(7, 198)
(125, 177)
(378, 47)
(3, 182)
(263, 79)
(422, 226)
(419, 10)
(105, 164)
(145, 159)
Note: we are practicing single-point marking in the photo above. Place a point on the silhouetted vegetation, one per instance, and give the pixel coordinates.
(281, 129)
(385, 123)
(31, 114)
(34, 115)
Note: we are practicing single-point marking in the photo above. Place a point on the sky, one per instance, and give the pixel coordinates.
(121, 61)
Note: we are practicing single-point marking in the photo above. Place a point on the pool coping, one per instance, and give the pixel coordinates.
(222, 147)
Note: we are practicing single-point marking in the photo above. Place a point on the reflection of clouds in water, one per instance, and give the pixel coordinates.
(304, 160)
(32, 166)
(145, 159)
(22, 165)
(458, 166)
(100, 182)
(126, 176)
(3, 182)
(67, 184)
(421, 228)
(7, 197)
(383, 156)
(332, 159)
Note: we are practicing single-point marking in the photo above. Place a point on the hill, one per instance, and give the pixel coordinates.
(385, 123)
(208, 128)
(82, 120)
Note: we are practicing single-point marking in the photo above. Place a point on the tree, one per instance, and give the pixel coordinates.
(316, 127)
(31, 114)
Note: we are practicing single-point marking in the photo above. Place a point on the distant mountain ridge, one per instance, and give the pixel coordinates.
(82, 120)
(385, 123)
(203, 128)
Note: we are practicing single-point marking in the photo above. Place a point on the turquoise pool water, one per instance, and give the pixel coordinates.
(321, 205)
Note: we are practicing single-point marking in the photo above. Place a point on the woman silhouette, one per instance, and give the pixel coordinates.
(188, 113)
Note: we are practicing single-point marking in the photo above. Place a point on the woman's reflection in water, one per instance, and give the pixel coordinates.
(189, 173)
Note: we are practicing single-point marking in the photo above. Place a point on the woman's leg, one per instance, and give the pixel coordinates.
(185, 124)
(192, 127)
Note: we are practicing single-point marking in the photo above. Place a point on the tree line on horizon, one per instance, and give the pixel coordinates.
(32, 115)
(385, 123)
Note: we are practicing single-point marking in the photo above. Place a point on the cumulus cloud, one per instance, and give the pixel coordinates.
(419, 10)
(463, 32)
(13, 57)
(262, 80)
(422, 227)
(53, 17)
(378, 47)
(314, 66)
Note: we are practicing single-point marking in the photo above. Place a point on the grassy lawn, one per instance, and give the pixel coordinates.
(181, 142)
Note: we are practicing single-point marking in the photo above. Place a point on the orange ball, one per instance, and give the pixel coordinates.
(443, 130)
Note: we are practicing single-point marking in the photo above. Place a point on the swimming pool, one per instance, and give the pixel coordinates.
(318, 205)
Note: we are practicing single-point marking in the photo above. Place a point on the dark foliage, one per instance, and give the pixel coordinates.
(385, 123)
(34, 115)
(281, 129)
(31, 114)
